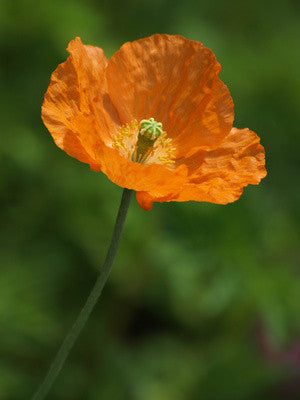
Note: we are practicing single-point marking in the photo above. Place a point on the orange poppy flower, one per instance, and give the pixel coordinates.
(154, 118)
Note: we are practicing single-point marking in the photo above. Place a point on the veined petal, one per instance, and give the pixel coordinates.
(146, 200)
(77, 110)
(175, 81)
(157, 180)
(223, 173)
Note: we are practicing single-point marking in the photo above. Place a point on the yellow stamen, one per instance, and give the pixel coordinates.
(145, 143)
(125, 140)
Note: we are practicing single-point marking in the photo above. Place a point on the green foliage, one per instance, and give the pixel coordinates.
(208, 307)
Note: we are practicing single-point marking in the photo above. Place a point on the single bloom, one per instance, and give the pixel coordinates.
(154, 118)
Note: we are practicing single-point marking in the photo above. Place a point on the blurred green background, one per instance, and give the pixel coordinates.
(206, 304)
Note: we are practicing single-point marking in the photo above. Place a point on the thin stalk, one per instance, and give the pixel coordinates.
(84, 314)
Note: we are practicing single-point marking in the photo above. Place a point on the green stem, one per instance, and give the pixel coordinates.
(84, 314)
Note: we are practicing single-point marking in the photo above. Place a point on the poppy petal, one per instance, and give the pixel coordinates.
(175, 81)
(238, 162)
(224, 172)
(76, 109)
(157, 180)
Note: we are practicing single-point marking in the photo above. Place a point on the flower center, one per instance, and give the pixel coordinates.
(144, 143)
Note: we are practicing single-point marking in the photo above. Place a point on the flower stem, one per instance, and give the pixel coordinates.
(84, 314)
